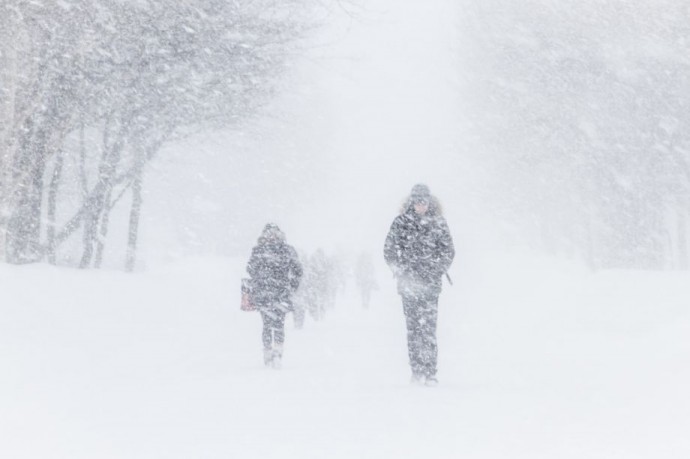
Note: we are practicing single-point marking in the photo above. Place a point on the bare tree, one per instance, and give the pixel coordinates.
(574, 100)
(139, 75)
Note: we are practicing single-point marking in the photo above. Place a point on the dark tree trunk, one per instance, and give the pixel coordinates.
(98, 207)
(133, 227)
(134, 216)
(82, 161)
(24, 226)
(52, 207)
(89, 236)
(103, 231)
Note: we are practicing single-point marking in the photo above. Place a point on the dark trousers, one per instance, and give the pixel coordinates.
(421, 315)
(274, 326)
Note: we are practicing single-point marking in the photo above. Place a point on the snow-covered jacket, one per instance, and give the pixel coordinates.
(275, 272)
(419, 249)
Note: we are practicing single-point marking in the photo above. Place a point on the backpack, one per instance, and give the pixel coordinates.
(246, 303)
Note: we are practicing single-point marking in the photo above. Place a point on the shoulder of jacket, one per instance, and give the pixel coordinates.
(440, 219)
(402, 219)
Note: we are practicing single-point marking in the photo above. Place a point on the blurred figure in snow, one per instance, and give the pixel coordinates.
(300, 299)
(419, 249)
(319, 284)
(364, 277)
(275, 273)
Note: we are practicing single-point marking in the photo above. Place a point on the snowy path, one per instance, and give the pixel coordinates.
(164, 365)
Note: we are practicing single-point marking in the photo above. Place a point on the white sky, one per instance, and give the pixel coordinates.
(370, 112)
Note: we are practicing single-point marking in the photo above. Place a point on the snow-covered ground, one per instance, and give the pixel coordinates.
(538, 359)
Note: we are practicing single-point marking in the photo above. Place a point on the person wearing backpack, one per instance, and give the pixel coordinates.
(275, 273)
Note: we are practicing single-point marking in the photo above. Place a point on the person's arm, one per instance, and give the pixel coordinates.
(447, 249)
(252, 265)
(296, 270)
(392, 246)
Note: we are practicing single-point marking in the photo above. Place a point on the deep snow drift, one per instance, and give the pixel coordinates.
(538, 359)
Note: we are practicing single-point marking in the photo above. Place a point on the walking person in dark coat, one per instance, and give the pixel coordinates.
(275, 273)
(419, 249)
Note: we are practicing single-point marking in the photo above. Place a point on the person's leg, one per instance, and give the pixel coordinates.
(278, 327)
(267, 332)
(267, 335)
(412, 320)
(428, 343)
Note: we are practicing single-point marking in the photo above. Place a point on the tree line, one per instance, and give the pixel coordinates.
(581, 113)
(92, 90)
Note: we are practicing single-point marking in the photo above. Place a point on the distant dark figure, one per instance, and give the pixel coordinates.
(365, 278)
(419, 249)
(275, 273)
(300, 299)
(319, 284)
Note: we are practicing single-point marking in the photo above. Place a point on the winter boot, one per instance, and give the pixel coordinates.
(268, 357)
(431, 381)
(417, 379)
(277, 356)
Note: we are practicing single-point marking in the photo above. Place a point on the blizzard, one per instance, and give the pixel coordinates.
(538, 358)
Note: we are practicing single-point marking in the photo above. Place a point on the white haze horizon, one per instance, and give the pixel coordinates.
(369, 112)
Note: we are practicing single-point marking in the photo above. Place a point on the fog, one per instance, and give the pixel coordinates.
(548, 126)
(557, 128)
(370, 110)
(554, 134)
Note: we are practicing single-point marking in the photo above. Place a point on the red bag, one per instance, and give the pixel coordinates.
(246, 304)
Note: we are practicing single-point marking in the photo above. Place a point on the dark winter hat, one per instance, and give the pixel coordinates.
(272, 232)
(271, 227)
(420, 191)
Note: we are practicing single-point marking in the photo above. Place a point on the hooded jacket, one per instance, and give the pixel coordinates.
(274, 268)
(419, 249)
